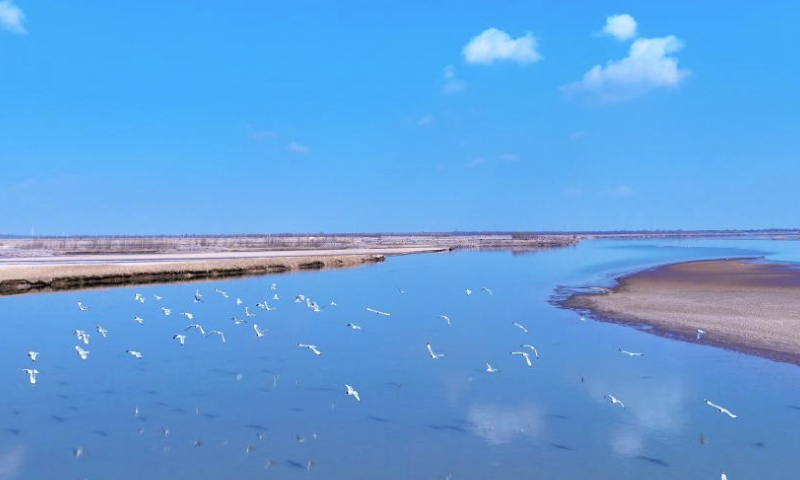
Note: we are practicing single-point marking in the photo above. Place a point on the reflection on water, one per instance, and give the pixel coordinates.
(262, 407)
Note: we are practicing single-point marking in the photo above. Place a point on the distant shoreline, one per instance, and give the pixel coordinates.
(742, 304)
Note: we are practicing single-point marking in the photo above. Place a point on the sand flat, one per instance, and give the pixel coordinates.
(745, 305)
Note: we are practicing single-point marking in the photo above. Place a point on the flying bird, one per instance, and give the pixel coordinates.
(313, 348)
(158, 298)
(138, 320)
(259, 333)
(354, 326)
(180, 338)
(197, 296)
(166, 311)
(274, 286)
(468, 292)
(378, 312)
(248, 313)
(135, 354)
(102, 331)
(83, 354)
(32, 372)
(238, 301)
(524, 355)
(433, 355)
(223, 294)
(630, 354)
(614, 400)
(487, 290)
(700, 332)
(533, 349)
(521, 327)
(82, 307)
(352, 392)
(238, 321)
(188, 315)
(447, 319)
(33, 356)
(276, 297)
(196, 326)
(720, 409)
(217, 332)
(81, 336)
(491, 369)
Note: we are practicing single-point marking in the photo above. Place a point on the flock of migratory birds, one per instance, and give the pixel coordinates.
(527, 352)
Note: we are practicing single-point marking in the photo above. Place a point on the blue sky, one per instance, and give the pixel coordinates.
(244, 116)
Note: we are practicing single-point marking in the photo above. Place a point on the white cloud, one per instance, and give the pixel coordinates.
(496, 45)
(451, 83)
(11, 17)
(295, 147)
(621, 27)
(648, 66)
(425, 121)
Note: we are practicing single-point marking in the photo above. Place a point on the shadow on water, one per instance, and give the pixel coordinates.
(652, 461)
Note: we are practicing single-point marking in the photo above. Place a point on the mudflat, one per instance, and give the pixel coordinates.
(742, 304)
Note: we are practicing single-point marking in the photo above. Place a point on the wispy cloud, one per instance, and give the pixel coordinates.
(12, 18)
(425, 120)
(501, 424)
(476, 162)
(651, 64)
(295, 147)
(508, 157)
(621, 191)
(452, 84)
(261, 135)
(621, 27)
(577, 135)
(493, 45)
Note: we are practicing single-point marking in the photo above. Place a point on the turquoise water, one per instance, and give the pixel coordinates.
(264, 408)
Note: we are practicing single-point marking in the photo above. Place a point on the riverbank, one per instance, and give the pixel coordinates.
(741, 304)
(43, 274)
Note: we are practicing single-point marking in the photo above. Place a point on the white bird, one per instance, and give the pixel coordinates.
(33, 356)
(82, 307)
(217, 332)
(524, 355)
(468, 292)
(432, 354)
(224, 294)
(521, 327)
(614, 400)
(180, 338)
(630, 354)
(248, 313)
(83, 354)
(81, 336)
(32, 372)
(378, 312)
(447, 319)
(166, 311)
(300, 298)
(196, 327)
(334, 304)
(276, 297)
(238, 321)
(135, 354)
(354, 326)
(188, 315)
(137, 297)
(197, 296)
(157, 297)
(274, 286)
(138, 320)
(238, 301)
(720, 409)
(352, 392)
(700, 333)
(487, 290)
(491, 369)
(723, 476)
(531, 348)
(259, 333)
(102, 331)
(313, 348)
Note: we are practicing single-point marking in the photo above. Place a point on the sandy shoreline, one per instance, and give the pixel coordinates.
(43, 274)
(744, 305)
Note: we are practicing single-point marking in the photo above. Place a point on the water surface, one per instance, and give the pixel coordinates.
(263, 408)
